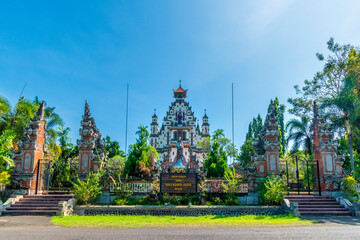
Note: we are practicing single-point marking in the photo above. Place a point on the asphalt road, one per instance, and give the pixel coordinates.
(28, 227)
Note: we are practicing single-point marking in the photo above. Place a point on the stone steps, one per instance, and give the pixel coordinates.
(37, 205)
(30, 212)
(318, 206)
(325, 213)
(33, 208)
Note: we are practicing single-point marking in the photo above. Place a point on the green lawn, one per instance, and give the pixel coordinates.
(128, 221)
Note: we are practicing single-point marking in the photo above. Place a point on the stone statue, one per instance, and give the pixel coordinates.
(180, 118)
(179, 162)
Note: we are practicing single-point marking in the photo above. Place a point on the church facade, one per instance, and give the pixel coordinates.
(179, 126)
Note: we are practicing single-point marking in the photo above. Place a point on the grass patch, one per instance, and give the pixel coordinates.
(129, 221)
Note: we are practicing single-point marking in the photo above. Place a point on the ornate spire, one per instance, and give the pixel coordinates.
(41, 111)
(179, 93)
(205, 116)
(87, 112)
(154, 116)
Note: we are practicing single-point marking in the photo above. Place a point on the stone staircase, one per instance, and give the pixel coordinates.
(310, 205)
(37, 205)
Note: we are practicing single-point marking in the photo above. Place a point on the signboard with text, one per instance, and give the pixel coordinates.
(178, 183)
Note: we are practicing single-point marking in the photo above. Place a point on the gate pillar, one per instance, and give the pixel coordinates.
(30, 150)
(329, 173)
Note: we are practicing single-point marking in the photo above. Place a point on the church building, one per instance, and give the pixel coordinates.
(179, 125)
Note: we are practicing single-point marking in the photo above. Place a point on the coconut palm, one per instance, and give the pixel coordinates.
(16, 118)
(344, 111)
(299, 132)
(6, 143)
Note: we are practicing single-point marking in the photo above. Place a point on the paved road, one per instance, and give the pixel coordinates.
(27, 227)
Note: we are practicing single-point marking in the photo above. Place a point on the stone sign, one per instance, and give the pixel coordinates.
(178, 183)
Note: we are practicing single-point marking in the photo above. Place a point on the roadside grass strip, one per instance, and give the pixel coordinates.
(210, 221)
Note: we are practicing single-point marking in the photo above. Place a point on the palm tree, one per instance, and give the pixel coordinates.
(299, 131)
(16, 118)
(6, 143)
(345, 110)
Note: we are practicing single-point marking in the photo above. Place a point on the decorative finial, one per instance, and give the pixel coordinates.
(87, 109)
(154, 110)
(41, 111)
(180, 82)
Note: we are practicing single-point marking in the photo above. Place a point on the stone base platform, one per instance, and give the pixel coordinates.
(178, 210)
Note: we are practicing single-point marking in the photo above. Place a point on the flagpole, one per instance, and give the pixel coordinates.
(127, 111)
(232, 113)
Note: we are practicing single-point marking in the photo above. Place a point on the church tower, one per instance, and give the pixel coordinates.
(205, 127)
(154, 130)
(179, 125)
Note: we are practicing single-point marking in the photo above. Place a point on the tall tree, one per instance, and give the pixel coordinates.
(113, 148)
(141, 159)
(327, 83)
(15, 118)
(259, 126)
(216, 163)
(279, 112)
(299, 132)
(344, 111)
(247, 149)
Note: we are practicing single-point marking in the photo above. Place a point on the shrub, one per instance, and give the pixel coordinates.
(232, 182)
(145, 200)
(272, 190)
(120, 201)
(230, 199)
(349, 186)
(4, 178)
(218, 201)
(88, 191)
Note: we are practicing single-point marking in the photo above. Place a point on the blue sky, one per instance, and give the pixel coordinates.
(69, 51)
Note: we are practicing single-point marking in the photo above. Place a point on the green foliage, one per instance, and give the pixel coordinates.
(328, 82)
(17, 118)
(232, 182)
(88, 191)
(4, 178)
(61, 169)
(220, 148)
(143, 200)
(115, 165)
(113, 148)
(216, 162)
(230, 199)
(349, 186)
(6, 143)
(246, 151)
(300, 132)
(280, 111)
(122, 191)
(272, 190)
(141, 159)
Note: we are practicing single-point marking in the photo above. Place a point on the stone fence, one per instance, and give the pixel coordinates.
(178, 210)
(212, 186)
